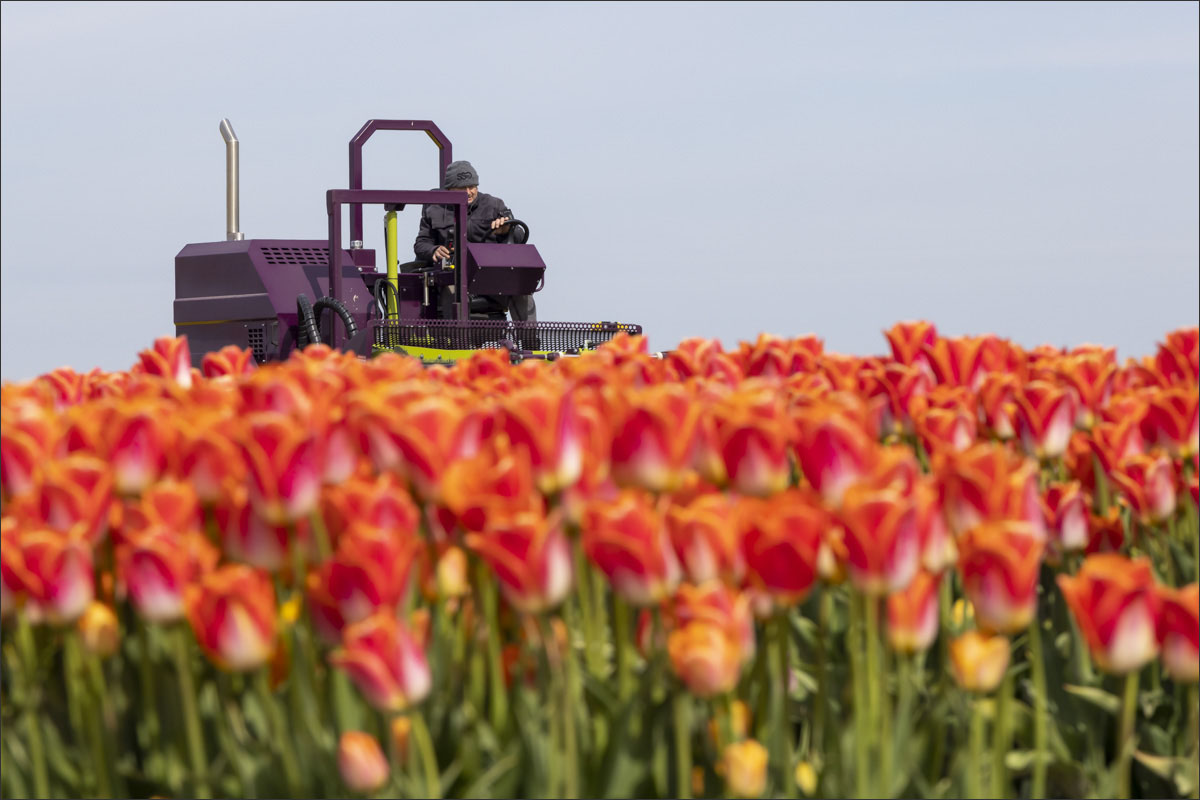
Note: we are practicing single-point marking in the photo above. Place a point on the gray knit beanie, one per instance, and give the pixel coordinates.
(460, 174)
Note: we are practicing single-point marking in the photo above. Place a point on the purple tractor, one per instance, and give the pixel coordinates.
(271, 295)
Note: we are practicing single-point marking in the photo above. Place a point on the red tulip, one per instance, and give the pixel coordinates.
(999, 562)
(752, 434)
(157, 567)
(284, 482)
(76, 494)
(781, 538)
(1172, 421)
(1179, 632)
(1147, 483)
(704, 535)
(169, 358)
(1178, 358)
(654, 438)
(1066, 517)
(541, 420)
(232, 612)
(833, 450)
(531, 557)
(230, 361)
(883, 547)
(909, 341)
(956, 362)
(627, 539)
(55, 570)
(27, 438)
(1115, 605)
(385, 663)
(1045, 419)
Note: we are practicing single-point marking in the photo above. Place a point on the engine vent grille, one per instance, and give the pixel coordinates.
(296, 255)
(256, 339)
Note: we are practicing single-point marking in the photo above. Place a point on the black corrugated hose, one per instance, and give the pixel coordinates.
(306, 329)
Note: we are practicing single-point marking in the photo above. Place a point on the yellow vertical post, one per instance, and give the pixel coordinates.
(389, 222)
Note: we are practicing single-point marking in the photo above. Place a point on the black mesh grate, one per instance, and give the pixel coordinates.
(296, 255)
(448, 334)
(256, 338)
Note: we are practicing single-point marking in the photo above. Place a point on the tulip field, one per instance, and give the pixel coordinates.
(961, 568)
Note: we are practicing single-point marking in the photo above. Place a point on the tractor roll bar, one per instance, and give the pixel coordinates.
(357, 198)
(365, 132)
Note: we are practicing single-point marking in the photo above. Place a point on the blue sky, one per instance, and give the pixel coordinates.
(718, 170)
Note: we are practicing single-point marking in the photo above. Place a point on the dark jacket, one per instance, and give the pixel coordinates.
(436, 222)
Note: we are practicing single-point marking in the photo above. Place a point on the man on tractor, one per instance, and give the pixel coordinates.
(487, 221)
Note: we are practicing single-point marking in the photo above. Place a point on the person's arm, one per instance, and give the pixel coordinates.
(479, 227)
(424, 246)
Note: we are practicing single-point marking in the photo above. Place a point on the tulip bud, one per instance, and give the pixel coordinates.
(913, 614)
(361, 762)
(978, 661)
(705, 657)
(401, 732)
(386, 663)
(739, 723)
(744, 767)
(806, 778)
(452, 580)
(99, 630)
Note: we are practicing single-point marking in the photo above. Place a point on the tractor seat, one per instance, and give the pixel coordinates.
(484, 306)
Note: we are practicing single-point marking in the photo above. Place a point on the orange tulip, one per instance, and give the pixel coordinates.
(1178, 358)
(906, 389)
(531, 557)
(909, 341)
(704, 535)
(626, 538)
(654, 438)
(369, 572)
(938, 549)
(232, 612)
(1172, 421)
(361, 763)
(978, 661)
(157, 567)
(541, 420)
(284, 481)
(169, 358)
(76, 495)
(913, 614)
(138, 445)
(947, 429)
(752, 434)
(1147, 484)
(705, 657)
(27, 438)
(55, 574)
(774, 357)
(385, 663)
(781, 538)
(230, 361)
(14, 577)
(99, 630)
(1114, 442)
(997, 404)
(744, 767)
(496, 483)
(1115, 605)
(1045, 419)
(693, 358)
(168, 506)
(381, 502)
(715, 603)
(208, 457)
(956, 362)
(1066, 517)
(988, 482)
(1090, 378)
(245, 536)
(999, 562)
(883, 547)
(1179, 632)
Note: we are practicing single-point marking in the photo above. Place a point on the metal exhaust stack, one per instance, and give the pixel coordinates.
(232, 223)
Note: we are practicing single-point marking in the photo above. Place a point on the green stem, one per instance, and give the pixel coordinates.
(875, 680)
(191, 717)
(37, 749)
(1002, 737)
(88, 703)
(822, 713)
(280, 732)
(486, 586)
(1193, 701)
(975, 765)
(783, 727)
(622, 644)
(148, 729)
(682, 707)
(862, 765)
(320, 534)
(904, 705)
(1125, 742)
(1040, 756)
(424, 743)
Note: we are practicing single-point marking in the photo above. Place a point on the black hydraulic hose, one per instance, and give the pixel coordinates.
(306, 330)
(381, 300)
(338, 308)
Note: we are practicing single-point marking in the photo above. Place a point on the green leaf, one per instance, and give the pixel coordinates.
(1106, 701)
(1162, 766)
